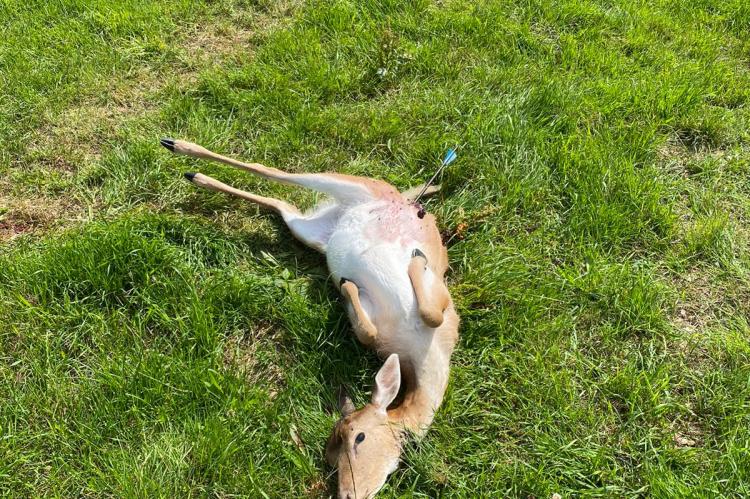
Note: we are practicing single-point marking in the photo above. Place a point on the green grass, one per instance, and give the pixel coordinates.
(162, 341)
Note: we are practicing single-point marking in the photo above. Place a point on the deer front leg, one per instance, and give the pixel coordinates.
(431, 301)
(363, 326)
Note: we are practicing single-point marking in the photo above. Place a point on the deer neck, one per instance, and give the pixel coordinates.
(426, 378)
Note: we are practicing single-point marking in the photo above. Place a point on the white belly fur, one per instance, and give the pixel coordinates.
(372, 246)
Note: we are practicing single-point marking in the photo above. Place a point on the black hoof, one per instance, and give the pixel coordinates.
(168, 143)
(417, 252)
(189, 175)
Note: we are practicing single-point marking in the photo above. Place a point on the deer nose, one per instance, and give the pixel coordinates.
(345, 494)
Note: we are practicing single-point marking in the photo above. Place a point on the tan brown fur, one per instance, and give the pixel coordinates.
(419, 354)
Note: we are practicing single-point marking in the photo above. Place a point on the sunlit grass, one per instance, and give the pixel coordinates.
(157, 340)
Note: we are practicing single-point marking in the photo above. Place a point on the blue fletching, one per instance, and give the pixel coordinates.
(450, 157)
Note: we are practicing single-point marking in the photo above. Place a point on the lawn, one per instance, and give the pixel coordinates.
(161, 341)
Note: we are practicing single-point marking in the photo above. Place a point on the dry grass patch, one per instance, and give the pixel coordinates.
(688, 435)
(256, 357)
(72, 139)
(27, 215)
(233, 37)
(698, 302)
(208, 45)
(76, 134)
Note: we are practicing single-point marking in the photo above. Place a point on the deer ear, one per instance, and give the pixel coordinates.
(345, 404)
(387, 383)
(332, 447)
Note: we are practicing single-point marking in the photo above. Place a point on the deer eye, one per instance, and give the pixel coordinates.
(360, 438)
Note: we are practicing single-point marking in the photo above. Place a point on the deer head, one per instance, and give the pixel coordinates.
(364, 445)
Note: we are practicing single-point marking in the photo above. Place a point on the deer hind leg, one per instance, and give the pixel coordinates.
(412, 193)
(312, 229)
(363, 326)
(432, 297)
(346, 189)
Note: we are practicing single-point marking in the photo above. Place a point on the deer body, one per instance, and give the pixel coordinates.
(375, 257)
(389, 264)
(372, 245)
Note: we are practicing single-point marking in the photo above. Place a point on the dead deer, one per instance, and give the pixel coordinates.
(387, 258)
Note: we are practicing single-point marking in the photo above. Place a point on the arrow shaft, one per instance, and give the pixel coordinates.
(448, 160)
